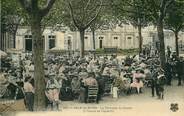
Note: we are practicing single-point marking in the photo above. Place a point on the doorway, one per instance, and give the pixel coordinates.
(101, 44)
(28, 46)
(52, 43)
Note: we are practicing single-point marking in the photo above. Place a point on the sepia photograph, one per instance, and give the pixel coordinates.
(92, 58)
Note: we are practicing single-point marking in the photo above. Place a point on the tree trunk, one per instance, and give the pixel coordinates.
(1, 41)
(94, 47)
(39, 98)
(14, 36)
(93, 34)
(3, 34)
(162, 43)
(82, 33)
(140, 38)
(176, 43)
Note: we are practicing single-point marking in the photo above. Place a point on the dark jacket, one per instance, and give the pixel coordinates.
(180, 67)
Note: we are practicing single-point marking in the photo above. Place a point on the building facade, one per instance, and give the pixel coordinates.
(51, 39)
(125, 37)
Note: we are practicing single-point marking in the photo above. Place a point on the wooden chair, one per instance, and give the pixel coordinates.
(7, 105)
(92, 94)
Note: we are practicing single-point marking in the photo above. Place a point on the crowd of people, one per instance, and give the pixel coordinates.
(174, 67)
(69, 78)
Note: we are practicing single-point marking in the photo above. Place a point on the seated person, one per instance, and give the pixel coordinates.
(90, 81)
(66, 91)
(106, 70)
(75, 85)
(83, 74)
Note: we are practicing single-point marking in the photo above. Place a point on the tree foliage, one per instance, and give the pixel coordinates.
(158, 10)
(82, 14)
(175, 20)
(175, 17)
(11, 14)
(132, 12)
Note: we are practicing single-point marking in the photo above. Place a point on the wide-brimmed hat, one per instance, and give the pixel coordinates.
(3, 79)
(91, 74)
(62, 76)
(84, 70)
(74, 74)
(52, 74)
(83, 74)
(109, 64)
(161, 70)
(138, 69)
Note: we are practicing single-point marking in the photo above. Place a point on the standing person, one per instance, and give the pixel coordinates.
(180, 69)
(101, 86)
(168, 72)
(182, 78)
(153, 82)
(31, 69)
(160, 84)
(29, 93)
(174, 63)
(52, 91)
(82, 91)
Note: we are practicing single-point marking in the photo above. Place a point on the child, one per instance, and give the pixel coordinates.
(160, 84)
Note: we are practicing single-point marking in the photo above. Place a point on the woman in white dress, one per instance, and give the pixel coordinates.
(137, 80)
(52, 91)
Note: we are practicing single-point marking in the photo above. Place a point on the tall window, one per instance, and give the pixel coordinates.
(28, 42)
(101, 42)
(129, 37)
(52, 41)
(43, 39)
(101, 37)
(28, 36)
(115, 42)
(129, 42)
(115, 38)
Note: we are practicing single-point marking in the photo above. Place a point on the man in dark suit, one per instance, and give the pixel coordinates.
(180, 70)
(101, 86)
(153, 82)
(168, 73)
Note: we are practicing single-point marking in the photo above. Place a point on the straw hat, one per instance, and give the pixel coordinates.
(52, 74)
(3, 79)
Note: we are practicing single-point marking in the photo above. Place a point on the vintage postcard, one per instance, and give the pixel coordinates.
(92, 57)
